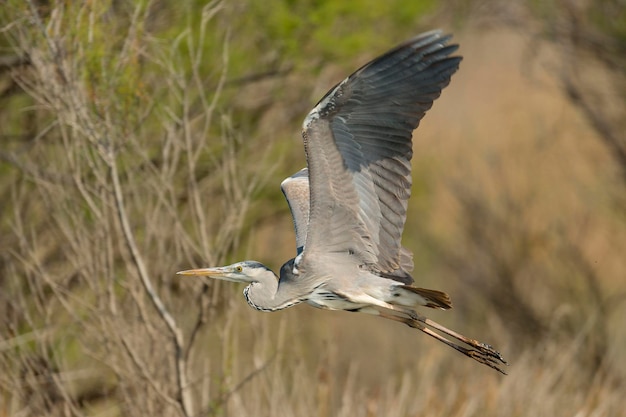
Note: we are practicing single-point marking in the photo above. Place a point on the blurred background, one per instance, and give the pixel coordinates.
(140, 138)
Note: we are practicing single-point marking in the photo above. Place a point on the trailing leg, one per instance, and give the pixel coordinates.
(478, 351)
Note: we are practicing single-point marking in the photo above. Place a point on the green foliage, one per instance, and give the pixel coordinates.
(609, 16)
(329, 29)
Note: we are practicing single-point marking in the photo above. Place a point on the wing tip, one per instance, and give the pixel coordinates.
(301, 175)
(436, 38)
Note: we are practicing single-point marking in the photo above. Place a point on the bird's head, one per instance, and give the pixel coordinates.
(247, 272)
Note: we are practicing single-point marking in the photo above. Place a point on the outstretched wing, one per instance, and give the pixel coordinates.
(358, 147)
(296, 191)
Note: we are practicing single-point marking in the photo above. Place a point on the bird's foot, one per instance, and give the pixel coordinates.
(487, 355)
(489, 351)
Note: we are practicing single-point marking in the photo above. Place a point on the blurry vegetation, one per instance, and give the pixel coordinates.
(144, 137)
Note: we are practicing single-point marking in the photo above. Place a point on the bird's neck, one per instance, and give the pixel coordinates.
(266, 296)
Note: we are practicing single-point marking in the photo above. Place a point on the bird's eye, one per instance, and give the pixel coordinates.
(239, 268)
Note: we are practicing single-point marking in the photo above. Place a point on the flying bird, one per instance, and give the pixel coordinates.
(349, 205)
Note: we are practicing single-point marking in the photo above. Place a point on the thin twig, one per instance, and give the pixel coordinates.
(225, 396)
(145, 374)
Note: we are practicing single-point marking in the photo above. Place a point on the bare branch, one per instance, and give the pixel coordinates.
(168, 319)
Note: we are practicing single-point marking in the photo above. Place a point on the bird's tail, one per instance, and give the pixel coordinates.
(429, 298)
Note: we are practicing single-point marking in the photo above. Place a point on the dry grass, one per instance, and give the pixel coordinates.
(134, 168)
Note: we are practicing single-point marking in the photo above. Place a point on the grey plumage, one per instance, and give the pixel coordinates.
(349, 206)
(296, 191)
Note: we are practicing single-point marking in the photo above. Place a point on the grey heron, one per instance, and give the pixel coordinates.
(349, 205)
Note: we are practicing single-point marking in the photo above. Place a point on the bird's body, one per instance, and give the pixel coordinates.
(349, 205)
(323, 290)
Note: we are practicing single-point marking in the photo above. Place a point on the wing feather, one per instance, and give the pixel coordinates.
(358, 142)
(296, 191)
